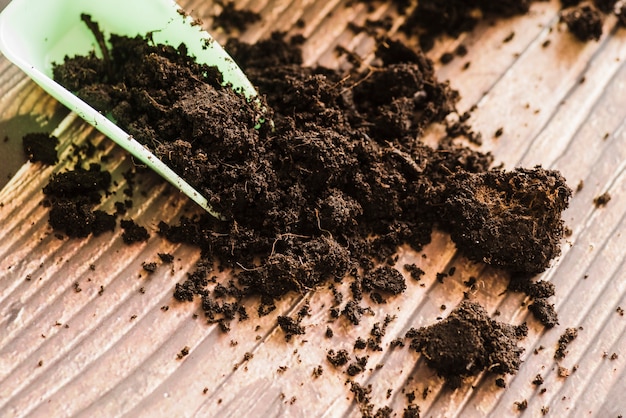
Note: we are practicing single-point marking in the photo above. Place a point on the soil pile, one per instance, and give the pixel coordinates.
(341, 180)
(331, 188)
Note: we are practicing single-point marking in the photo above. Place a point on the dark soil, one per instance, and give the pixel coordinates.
(584, 21)
(40, 147)
(133, 232)
(232, 19)
(330, 188)
(568, 336)
(544, 312)
(72, 196)
(432, 18)
(602, 200)
(468, 342)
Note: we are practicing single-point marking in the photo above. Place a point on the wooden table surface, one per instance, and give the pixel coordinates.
(111, 349)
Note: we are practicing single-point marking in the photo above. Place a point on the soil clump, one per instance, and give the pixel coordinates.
(584, 21)
(468, 342)
(39, 146)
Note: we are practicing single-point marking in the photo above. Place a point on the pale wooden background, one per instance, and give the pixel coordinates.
(68, 353)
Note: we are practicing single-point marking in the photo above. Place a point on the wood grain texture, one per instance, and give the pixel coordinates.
(111, 349)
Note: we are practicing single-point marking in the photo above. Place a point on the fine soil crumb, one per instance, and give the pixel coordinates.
(149, 267)
(568, 336)
(40, 147)
(318, 371)
(184, 352)
(563, 371)
(584, 21)
(521, 405)
(468, 342)
(166, 258)
(415, 272)
(602, 200)
(544, 312)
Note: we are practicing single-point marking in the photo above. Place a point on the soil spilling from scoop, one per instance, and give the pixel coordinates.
(329, 189)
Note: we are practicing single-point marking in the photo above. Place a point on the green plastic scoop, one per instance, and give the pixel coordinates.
(34, 34)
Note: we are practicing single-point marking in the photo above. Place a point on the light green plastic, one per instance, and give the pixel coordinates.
(34, 34)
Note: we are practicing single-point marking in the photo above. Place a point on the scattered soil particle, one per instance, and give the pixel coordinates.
(166, 258)
(568, 336)
(602, 200)
(329, 332)
(72, 196)
(338, 359)
(563, 372)
(290, 327)
(538, 381)
(149, 267)
(318, 371)
(358, 366)
(584, 21)
(360, 344)
(446, 57)
(362, 397)
(133, 232)
(184, 352)
(468, 342)
(415, 272)
(41, 147)
(353, 312)
(521, 405)
(509, 38)
(544, 312)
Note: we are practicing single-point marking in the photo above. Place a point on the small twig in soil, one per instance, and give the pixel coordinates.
(97, 33)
